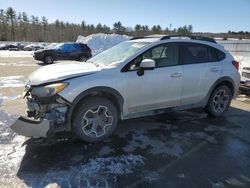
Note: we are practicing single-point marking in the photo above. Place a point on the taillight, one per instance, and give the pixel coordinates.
(236, 64)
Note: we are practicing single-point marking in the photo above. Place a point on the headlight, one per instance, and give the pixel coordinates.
(48, 90)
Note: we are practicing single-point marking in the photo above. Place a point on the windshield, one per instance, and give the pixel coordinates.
(117, 53)
(58, 46)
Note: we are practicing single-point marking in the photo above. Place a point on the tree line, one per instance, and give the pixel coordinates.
(19, 26)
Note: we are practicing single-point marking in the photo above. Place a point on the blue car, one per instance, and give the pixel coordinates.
(64, 51)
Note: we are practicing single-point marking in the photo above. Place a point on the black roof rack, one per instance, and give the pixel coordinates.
(164, 37)
(149, 36)
(193, 37)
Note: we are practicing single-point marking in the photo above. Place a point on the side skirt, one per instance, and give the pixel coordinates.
(164, 110)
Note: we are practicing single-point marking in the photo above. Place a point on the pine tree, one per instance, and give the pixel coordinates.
(11, 16)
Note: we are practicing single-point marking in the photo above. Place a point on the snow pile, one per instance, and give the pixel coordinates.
(100, 42)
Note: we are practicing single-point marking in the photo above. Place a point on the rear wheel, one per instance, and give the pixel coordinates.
(48, 59)
(95, 120)
(219, 101)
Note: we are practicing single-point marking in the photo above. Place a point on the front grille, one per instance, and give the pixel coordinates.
(246, 68)
(246, 74)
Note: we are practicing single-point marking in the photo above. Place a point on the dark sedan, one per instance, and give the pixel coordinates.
(64, 51)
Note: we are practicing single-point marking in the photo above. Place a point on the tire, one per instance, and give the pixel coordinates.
(96, 119)
(82, 58)
(219, 101)
(48, 59)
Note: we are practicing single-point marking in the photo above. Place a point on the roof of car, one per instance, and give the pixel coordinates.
(156, 37)
(150, 40)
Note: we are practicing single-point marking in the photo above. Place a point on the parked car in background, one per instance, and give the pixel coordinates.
(20, 46)
(2, 46)
(140, 77)
(245, 79)
(64, 51)
(33, 47)
(12, 47)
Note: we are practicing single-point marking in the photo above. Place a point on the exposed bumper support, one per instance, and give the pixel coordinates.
(31, 128)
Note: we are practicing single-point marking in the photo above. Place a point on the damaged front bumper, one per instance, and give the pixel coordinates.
(32, 128)
(46, 116)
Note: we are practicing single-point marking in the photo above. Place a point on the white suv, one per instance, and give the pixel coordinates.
(139, 77)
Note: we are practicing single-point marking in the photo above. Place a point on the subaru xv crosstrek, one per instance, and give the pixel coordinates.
(139, 77)
(64, 51)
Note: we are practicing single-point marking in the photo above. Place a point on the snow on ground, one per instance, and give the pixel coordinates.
(8, 98)
(243, 98)
(11, 151)
(97, 172)
(165, 146)
(19, 63)
(7, 53)
(12, 81)
(100, 42)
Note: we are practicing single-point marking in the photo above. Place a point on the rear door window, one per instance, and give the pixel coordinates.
(74, 48)
(198, 53)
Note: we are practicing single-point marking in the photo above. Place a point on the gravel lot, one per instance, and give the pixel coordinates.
(182, 149)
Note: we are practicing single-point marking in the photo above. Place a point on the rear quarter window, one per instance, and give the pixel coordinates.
(220, 55)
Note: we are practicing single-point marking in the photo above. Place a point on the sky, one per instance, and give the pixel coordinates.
(204, 15)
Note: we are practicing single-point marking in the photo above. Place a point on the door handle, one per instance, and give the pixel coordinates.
(176, 75)
(214, 69)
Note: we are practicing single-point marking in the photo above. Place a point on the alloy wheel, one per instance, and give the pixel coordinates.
(220, 100)
(96, 121)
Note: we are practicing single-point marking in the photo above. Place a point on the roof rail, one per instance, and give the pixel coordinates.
(134, 38)
(193, 37)
(149, 36)
(164, 37)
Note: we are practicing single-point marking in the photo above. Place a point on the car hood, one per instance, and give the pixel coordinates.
(43, 50)
(61, 71)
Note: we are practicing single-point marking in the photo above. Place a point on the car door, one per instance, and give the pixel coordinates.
(67, 50)
(200, 70)
(59, 53)
(75, 51)
(158, 88)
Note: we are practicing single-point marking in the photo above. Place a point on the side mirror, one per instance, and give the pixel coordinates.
(147, 64)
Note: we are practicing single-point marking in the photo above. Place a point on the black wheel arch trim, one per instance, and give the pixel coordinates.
(48, 54)
(98, 89)
(218, 82)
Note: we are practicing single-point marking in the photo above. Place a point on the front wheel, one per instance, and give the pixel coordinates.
(219, 101)
(82, 58)
(95, 119)
(48, 59)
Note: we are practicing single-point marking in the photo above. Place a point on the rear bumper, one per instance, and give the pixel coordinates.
(244, 88)
(31, 128)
